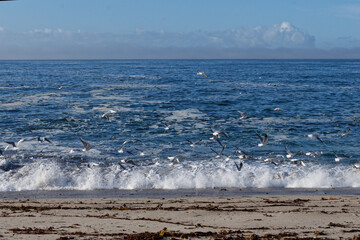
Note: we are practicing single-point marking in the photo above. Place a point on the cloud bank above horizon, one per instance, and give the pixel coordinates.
(282, 40)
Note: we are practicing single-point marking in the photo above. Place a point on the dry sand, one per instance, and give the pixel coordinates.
(249, 217)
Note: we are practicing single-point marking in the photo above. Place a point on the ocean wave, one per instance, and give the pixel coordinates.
(54, 175)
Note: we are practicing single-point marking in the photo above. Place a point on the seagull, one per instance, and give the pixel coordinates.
(122, 149)
(201, 74)
(128, 161)
(271, 160)
(217, 133)
(277, 109)
(314, 154)
(357, 165)
(192, 144)
(302, 164)
(290, 154)
(166, 126)
(239, 166)
(216, 138)
(346, 133)
(86, 145)
(243, 115)
(221, 152)
(13, 144)
(141, 153)
(244, 155)
(43, 139)
(174, 159)
(107, 115)
(264, 141)
(314, 136)
(337, 158)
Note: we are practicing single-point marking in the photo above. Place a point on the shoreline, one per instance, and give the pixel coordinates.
(173, 193)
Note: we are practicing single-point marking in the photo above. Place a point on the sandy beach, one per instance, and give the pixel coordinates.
(320, 216)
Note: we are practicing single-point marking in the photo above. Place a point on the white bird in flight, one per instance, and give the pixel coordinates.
(263, 141)
(243, 115)
(201, 74)
(314, 136)
(86, 145)
(14, 144)
(107, 115)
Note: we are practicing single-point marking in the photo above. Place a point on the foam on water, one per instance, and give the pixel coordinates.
(53, 175)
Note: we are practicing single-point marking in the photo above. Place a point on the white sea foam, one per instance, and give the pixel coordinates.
(47, 175)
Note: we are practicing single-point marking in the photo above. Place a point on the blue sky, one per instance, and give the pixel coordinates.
(179, 29)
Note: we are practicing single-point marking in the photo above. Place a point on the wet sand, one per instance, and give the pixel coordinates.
(265, 216)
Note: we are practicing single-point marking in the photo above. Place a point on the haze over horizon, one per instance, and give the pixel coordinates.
(159, 29)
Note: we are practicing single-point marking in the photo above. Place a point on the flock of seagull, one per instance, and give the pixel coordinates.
(216, 136)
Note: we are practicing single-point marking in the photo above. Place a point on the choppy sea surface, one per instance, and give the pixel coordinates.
(160, 105)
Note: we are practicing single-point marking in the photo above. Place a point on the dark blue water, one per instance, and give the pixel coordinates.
(64, 100)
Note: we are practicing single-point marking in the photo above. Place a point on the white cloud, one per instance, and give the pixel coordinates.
(282, 40)
(279, 35)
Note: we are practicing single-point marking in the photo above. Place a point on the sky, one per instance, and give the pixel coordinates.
(196, 29)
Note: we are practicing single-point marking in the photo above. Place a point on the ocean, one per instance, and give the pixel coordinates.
(160, 106)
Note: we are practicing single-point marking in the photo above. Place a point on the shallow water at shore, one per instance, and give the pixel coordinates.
(159, 193)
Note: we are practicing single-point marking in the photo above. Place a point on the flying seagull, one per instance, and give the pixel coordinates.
(173, 159)
(192, 144)
(314, 154)
(201, 74)
(166, 126)
(290, 154)
(122, 148)
(243, 115)
(221, 152)
(128, 161)
(217, 133)
(239, 166)
(107, 115)
(43, 139)
(263, 141)
(14, 144)
(243, 155)
(86, 145)
(346, 133)
(314, 136)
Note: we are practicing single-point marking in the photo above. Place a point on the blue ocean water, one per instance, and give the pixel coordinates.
(65, 100)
